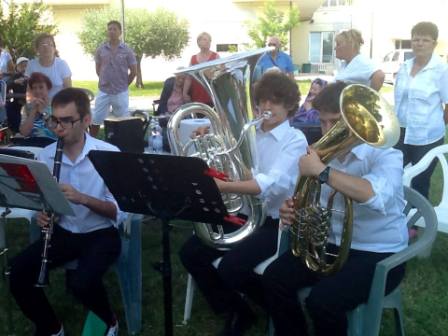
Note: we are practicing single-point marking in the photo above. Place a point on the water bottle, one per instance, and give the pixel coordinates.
(156, 136)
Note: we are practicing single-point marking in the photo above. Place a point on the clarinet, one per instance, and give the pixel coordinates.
(42, 280)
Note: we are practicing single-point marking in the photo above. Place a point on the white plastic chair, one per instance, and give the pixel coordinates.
(410, 172)
(259, 269)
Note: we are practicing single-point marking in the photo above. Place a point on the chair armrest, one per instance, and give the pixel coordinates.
(425, 240)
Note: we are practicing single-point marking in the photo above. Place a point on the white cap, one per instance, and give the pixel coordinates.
(21, 59)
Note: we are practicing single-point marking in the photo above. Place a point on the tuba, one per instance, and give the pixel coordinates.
(366, 118)
(231, 148)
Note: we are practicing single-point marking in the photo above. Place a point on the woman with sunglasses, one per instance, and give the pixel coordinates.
(49, 63)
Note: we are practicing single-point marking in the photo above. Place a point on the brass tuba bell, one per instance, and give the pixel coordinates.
(366, 118)
(231, 148)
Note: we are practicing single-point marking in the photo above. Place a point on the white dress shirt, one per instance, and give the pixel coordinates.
(358, 71)
(82, 175)
(379, 224)
(278, 153)
(419, 101)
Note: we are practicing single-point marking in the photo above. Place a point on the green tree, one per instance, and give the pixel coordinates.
(149, 34)
(272, 21)
(22, 24)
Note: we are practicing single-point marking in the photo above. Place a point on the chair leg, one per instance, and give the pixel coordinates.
(189, 299)
(399, 325)
(271, 329)
(129, 270)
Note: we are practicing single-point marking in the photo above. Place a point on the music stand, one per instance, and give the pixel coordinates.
(166, 187)
(27, 184)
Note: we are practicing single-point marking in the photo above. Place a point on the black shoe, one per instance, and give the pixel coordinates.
(237, 323)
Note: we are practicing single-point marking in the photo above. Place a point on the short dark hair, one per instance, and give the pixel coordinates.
(279, 89)
(425, 29)
(39, 77)
(328, 99)
(72, 95)
(114, 22)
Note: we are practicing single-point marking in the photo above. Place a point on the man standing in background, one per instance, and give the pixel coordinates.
(116, 67)
(275, 58)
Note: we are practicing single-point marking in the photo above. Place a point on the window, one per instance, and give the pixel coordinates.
(396, 57)
(321, 47)
(229, 47)
(388, 57)
(334, 3)
(402, 44)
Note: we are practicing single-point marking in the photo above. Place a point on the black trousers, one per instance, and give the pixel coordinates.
(95, 252)
(413, 154)
(222, 286)
(330, 298)
(13, 115)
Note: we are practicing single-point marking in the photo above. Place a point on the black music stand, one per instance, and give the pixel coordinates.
(166, 187)
(26, 184)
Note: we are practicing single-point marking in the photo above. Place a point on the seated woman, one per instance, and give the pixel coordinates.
(36, 111)
(170, 100)
(307, 117)
(171, 97)
(306, 114)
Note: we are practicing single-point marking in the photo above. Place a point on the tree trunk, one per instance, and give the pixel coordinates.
(139, 80)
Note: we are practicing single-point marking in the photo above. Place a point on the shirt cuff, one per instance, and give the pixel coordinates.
(376, 202)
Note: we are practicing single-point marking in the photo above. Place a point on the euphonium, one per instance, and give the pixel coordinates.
(231, 147)
(366, 118)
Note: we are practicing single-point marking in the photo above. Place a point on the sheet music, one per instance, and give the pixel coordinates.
(28, 184)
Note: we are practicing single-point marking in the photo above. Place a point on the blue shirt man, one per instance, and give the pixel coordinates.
(275, 58)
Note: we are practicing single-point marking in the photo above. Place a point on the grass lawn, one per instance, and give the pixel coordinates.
(425, 297)
(151, 89)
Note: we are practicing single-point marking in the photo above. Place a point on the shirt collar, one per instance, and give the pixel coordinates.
(277, 132)
(88, 146)
(359, 151)
(433, 62)
(120, 45)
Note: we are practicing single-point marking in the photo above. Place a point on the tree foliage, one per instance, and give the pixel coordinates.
(273, 21)
(149, 34)
(22, 24)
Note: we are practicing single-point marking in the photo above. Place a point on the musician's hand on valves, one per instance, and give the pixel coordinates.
(72, 194)
(310, 163)
(42, 219)
(287, 213)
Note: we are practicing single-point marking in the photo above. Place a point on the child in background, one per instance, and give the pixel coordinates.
(306, 113)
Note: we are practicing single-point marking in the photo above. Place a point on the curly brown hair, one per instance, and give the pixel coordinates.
(279, 89)
(39, 77)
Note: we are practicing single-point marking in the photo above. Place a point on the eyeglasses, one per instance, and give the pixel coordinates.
(46, 45)
(272, 45)
(65, 122)
(422, 40)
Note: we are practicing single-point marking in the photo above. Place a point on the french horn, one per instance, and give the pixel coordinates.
(366, 117)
